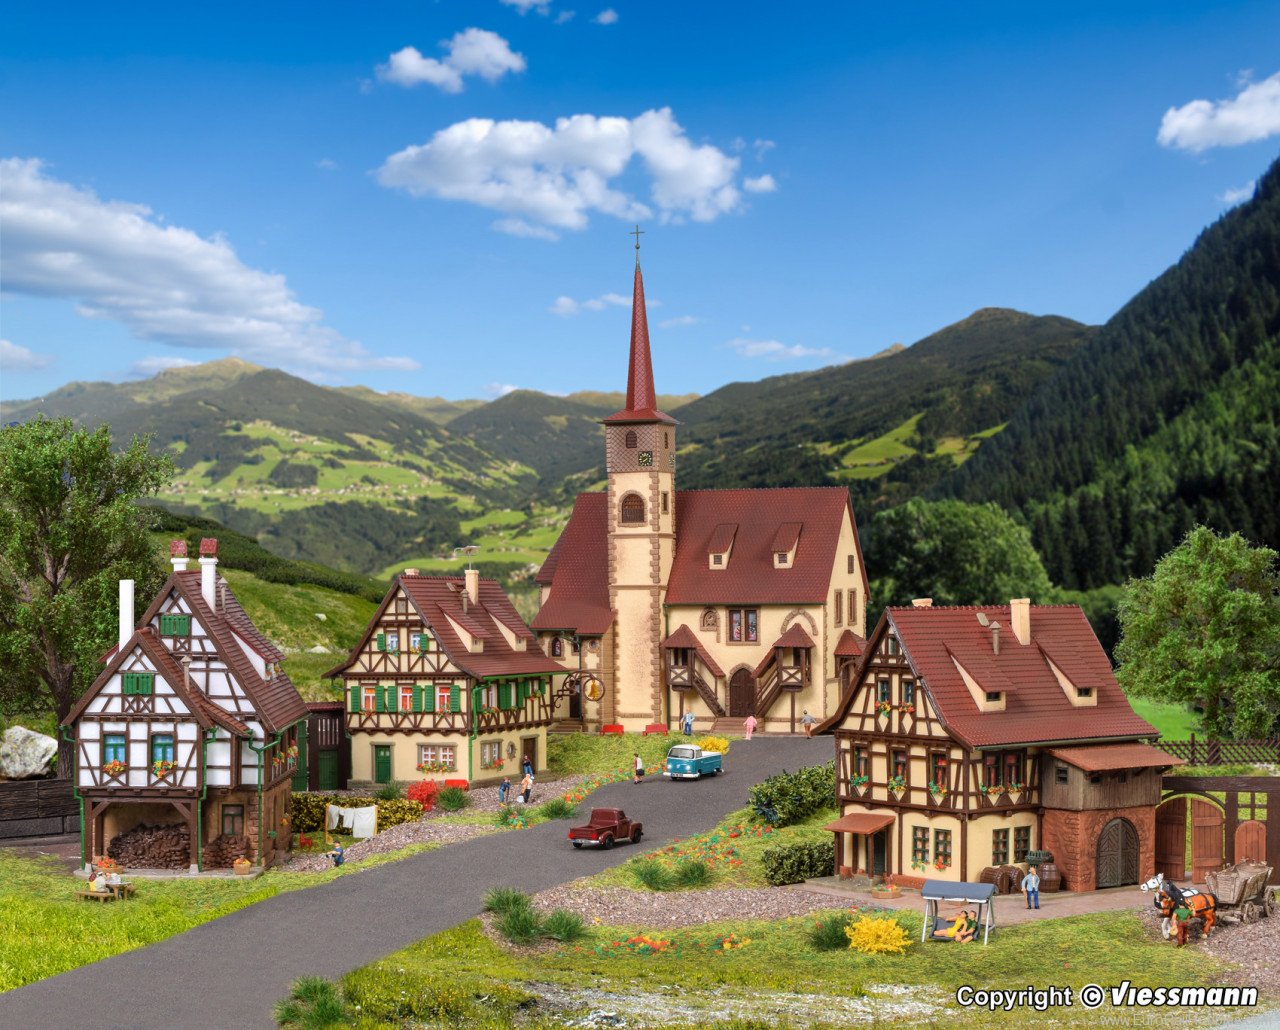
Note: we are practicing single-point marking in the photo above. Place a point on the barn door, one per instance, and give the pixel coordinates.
(1206, 839)
(1171, 839)
(1251, 841)
(328, 771)
(742, 694)
(1117, 854)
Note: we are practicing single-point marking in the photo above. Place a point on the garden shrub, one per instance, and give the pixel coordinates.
(424, 792)
(564, 926)
(651, 874)
(827, 934)
(692, 874)
(791, 797)
(514, 818)
(308, 810)
(313, 1004)
(798, 861)
(393, 791)
(388, 995)
(873, 935)
(520, 924)
(710, 743)
(453, 799)
(504, 899)
(557, 808)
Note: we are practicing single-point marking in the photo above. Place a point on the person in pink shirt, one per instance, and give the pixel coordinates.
(749, 725)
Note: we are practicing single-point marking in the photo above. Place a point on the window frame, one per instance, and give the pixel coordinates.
(173, 747)
(557, 647)
(942, 844)
(631, 440)
(920, 844)
(907, 688)
(900, 764)
(444, 753)
(883, 690)
(1000, 846)
(108, 746)
(368, 698)
(744, 625)
(1061, 774)
(838, 608)
(627, 508)
(236, 814)
(1021, 843)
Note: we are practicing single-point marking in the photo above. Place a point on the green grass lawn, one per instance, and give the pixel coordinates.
(463, 978)
(1173, 721)
(571, 753)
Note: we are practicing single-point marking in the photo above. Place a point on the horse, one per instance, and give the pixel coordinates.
(1169, 896)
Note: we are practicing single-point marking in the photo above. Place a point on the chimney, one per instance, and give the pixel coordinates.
(178, 555)
(922, 602)
(1020, 619)
(209, 571)
(126, 612)
(186, 671)
(411, 572)
(995, 638)
(473, 585)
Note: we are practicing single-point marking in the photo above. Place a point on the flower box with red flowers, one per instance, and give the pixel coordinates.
(114, 768)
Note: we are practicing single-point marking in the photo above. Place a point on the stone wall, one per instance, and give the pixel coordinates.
(1072, 838)
(37, 808)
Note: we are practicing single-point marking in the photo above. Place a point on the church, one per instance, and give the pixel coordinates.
(720, 603)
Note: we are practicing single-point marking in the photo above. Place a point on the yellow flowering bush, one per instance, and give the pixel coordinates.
(720, 744)
(872, 936)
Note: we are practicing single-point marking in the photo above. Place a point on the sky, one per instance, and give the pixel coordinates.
(435, 197)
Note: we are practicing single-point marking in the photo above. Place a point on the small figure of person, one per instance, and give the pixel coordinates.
(1031, 887)
(970, 929)
(526, 788)
(528, 766)
(504, 788)
(338, 854)
(1182, 922)
(808, 722)
(638, 771)
(686, 722)
(749, 725)
(98, 882)
(956, 926)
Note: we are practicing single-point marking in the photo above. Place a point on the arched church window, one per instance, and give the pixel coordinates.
(709, 619)
(632, 440)
(632, 509)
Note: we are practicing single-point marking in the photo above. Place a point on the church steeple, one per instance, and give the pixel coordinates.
(642, 402)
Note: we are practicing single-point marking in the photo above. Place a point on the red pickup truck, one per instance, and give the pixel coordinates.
(607, 825)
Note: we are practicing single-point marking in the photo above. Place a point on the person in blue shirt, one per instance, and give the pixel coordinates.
(338, 854)
(1031, 887)
(504, 788)
(687, 723)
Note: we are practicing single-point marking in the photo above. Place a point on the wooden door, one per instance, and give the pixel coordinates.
(1206, 839)
(529, 749)
(879, 847)
(1251, 841)
(327, 773)
(301, 774)
(742, 694)
(1117, 854)
(382, 763)
(1171, 839)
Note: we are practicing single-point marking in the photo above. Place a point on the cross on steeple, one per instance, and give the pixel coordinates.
(637, 232)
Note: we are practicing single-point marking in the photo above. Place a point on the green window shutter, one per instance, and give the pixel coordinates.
(382, 641)
(380, 698)
(146, 682)
(429, 698)
(354, 704)
(504, 696)
(126, 683)
(417, 698)
(455, 698)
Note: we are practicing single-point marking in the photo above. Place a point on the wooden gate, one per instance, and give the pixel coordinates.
(1117, 854)
(1206, 839)
(1171, 839)
(1251, 842)
(742, 693)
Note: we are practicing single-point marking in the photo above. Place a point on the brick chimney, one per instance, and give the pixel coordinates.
(126, 612)
(178, 555)
(473, 585)
(209, 572)
(1020, 619)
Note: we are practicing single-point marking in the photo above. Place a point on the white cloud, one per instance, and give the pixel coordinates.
(327, 163)
(1253, 114)
(147, 367)
(762, 147)
(1235, 196)
(119, 261)
(19, 359)
(500, 389)
(606, 17)
(762, 184)
(471, 52)
(557, 175)
(679, 322)
(772, 350)
(525, 6)
(565, 306)
(519, 227)
(564, 17)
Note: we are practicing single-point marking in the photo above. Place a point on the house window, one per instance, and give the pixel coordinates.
(853, 607)
(717, 559)
(744, 625)
(419, 642)
(632, 440)
(393, 641)
(557, 647)
(575, 646)
(1084, 691)
(369, 699)
(1060, 773)
(441, 754)
(1000, 846)
(993, 696)
(839, 601)
(666, 504)
(632, 510)
(938, 768)
(666, 440)
(1021, 843)
(781, 557)
(709, 619)
(113, 748)
(882, 690)
(942, 847)
(919, 845)
(908, 692)
(861, 762)
(893, 645)
(991, 771)
(490, 753)
(900, 764)
(175, 625)
(850, 565)
(444, 697)
(1095, 777)
(1013, 768)
(406, 699)
(233, 820)
(162, 747)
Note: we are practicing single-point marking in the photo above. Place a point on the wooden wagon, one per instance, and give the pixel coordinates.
(1242, 891)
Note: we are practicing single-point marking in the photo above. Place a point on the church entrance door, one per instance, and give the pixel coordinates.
(742, 694)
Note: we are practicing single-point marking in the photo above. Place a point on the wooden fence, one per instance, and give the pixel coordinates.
(1223, 752)
(37, 808)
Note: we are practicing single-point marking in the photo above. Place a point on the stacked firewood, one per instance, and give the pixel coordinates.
(220, 852)
(152, 847)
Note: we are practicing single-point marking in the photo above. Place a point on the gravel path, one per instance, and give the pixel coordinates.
(424, 831)
(1250, 947)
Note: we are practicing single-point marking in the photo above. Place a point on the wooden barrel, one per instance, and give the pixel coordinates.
(1012, 878)
(1050, 878)
(992, 874)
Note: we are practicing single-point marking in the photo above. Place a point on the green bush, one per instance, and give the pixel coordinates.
(453, 799)
(797, 862)
(690, 873)
(520, 925)
(308, 810)
(557, 808)
(393, 791)
(564, 926)
(391, 995)
(313, 1004)
(651, 874)
(791, 797)
(503, 899)
(827, 934)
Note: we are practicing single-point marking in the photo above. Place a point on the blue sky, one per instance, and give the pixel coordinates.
(291, 183)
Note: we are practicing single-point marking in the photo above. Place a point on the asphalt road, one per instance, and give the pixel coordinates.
(227, 974)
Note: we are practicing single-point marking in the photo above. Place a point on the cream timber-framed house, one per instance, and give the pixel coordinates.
(722, 603)
(192, 724)
(447, 682)
(972, 736)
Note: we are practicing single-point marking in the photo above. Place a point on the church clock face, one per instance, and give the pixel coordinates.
(646, 459)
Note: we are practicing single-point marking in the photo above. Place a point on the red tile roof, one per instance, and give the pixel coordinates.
(721, 537)
(642, 404)
(850, 645)
(685, 637)
(795, 637)
(1105, 757)
(579, 572)
(861, 822)
(1036, 708)
(787, 536)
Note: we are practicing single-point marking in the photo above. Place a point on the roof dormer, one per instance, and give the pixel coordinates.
(785, 541)
(720, 546)
(989, 698)
(1078, 695)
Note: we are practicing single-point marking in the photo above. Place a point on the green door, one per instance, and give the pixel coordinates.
(879, 845)
(328, 770)
(382, 763)
(300, 776)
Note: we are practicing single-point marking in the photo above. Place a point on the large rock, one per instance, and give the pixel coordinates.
(25, 753)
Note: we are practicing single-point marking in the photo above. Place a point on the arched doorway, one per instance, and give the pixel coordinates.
(1117, 854)
(742, 693)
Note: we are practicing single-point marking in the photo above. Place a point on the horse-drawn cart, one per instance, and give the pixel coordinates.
(1242, 891)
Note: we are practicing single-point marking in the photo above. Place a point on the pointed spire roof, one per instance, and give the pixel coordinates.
(642, 403)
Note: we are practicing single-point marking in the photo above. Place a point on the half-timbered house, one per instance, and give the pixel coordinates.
(447, 682)
(722, 603)
(972, 736)
(192, 725)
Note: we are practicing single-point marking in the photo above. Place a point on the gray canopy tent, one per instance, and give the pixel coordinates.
(935, 891)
